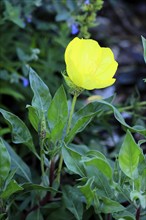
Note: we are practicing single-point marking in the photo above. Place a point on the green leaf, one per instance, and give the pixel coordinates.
(13, 13)
(123, 215)
(9, 178)
(61, 213)
(33, 116)
(72, 160)
(95, 153)
(5, 162)
(35, 215)
(119, 118)
(20, 133)
(79, 126)
(102, 184)
(42, 97)
(88, 191)
(2, 215)
(72, 200)
(11, 188)
(79, 148)
(63, 16)
(17, 163)
(143, 180)
(129, 156)
(32, 187)
(134, 195)
(110, 206)
(58, 114)
(101, 164)
(144, 47)
(82, 118)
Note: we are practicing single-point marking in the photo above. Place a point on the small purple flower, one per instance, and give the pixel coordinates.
(25, 82)
(74, 28)
(29, 19)
(87, 2)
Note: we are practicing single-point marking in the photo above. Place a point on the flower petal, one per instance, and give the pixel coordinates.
(88, 65)
(100, 84)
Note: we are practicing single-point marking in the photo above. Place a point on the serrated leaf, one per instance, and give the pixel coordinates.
(11, 188)
(129, 156)
(42, 97)
(72, 160)
(58, 114)
(72, 200)
(17, 163)
(144, 47)
(20, 133)
(5, 162)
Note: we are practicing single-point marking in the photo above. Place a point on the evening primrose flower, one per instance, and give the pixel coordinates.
(88, 65)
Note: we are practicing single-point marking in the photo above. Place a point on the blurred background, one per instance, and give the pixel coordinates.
(36, 32)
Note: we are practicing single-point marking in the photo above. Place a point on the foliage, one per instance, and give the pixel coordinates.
(62, 161)
(101, 186)
(36, 33)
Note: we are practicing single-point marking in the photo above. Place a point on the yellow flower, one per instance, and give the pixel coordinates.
(88, 65)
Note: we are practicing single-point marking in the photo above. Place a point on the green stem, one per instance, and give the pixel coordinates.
(71, 112)
(67, 131)
(59, 169)
(42, 158)
(42, 135)
(100, 217)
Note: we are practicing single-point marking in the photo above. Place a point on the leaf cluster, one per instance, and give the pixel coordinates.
(95, 185)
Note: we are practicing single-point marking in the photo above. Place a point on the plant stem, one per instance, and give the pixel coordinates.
(51, 176)
(108, 216)
(42, 159)
(71, 112)
(59, 169)
(67, 131)
(100, 217)
(42, 135)
(138, 214)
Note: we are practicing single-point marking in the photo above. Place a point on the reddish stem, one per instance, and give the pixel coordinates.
(138, 213)
(47, 198)
(108, 216)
